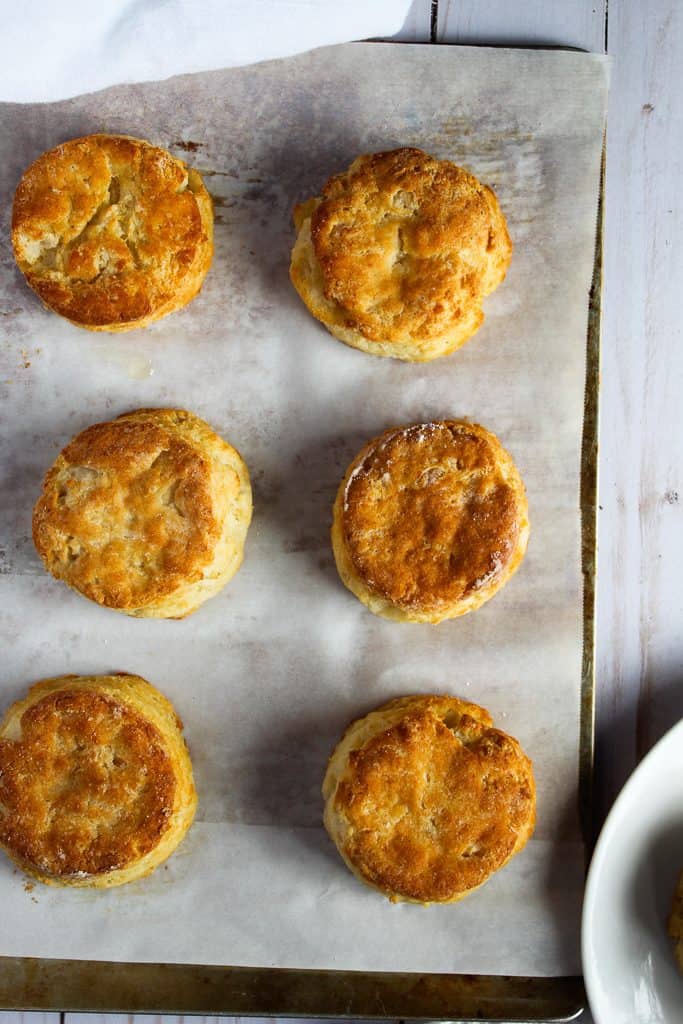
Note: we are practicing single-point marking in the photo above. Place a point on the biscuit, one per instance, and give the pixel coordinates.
(676, 923)
(112, 232)
(425, 800)
(96, 783)
(397, 254)
(430, 521)
(147, 514)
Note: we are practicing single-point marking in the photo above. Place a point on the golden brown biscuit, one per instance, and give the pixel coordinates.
(676, 923)
(147, 513)
(397, 254)
(425, 800)
(112, 232)
(96, 783)
(430, 521)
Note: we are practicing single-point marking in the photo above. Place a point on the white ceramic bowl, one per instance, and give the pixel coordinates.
(628, 963)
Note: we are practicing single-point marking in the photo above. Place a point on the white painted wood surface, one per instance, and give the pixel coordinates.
(417, 26)
(640, 588)
(640, 612)
(578, 23)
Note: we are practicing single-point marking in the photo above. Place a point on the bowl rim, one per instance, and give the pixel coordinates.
(674, 738)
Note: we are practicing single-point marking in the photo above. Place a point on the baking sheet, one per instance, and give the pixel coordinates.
(267, 674)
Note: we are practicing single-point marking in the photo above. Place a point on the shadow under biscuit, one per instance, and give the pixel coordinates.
(280, 779)
(254, 196)
(27, 456)
(300, 506)
(276, 780)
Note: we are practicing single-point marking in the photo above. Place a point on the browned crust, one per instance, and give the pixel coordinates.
(405, 248)
(93, 775)
(112, 232)
(430, 520)
(432, 800)
(675, 923)
(136, 508)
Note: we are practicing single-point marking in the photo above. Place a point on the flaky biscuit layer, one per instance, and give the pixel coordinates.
(430, 521)
(112, 232)
(96, 784)
(425, 800)
(147, 514)
(397, 254)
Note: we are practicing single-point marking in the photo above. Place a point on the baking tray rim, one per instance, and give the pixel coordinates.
(98, 986)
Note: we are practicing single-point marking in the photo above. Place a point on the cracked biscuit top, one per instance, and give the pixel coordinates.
(397, 254)
(425, 799)
(112, 232)
(147, 513)
(96, 783)
(430, 521)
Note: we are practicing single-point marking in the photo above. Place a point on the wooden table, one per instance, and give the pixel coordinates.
(640, 587)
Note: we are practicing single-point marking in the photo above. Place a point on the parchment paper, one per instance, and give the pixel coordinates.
(267, 674)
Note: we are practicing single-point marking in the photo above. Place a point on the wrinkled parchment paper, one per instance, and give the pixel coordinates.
(267, 674)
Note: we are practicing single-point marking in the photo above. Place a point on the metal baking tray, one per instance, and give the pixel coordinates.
(97, 986)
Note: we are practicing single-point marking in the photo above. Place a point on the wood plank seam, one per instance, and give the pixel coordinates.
(434, 21)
